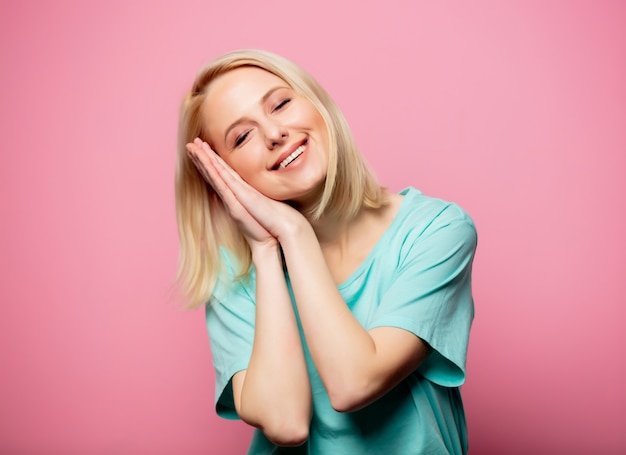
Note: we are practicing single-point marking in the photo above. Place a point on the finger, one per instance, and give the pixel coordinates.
(262, 209)
(247, 195)
(199, 165)
(205, 157)
(205, 152)
(221, 165)
(251, 198)
(207, 170)
(204, 161)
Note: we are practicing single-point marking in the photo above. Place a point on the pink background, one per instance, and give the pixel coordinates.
(516, 110)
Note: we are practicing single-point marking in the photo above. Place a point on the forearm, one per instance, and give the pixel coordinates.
(276, 394)
(344, 353)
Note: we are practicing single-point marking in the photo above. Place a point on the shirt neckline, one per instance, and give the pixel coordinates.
(407, 193)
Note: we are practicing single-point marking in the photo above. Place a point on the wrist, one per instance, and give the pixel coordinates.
(265, 251)
(293, 229)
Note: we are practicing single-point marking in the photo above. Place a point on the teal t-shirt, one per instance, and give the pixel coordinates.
(417, 278)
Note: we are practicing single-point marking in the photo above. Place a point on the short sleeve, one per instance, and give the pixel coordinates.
(230, 318)
(431, 294)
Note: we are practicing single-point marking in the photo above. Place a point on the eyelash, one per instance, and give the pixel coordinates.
(241, 138)
(282, 104)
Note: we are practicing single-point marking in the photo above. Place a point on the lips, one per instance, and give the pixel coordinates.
(290, 155)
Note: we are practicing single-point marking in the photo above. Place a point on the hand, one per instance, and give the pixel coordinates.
(205, 161)
(245, 203)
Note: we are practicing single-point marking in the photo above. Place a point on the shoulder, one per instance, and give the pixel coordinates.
(426, 214)
(429, 222)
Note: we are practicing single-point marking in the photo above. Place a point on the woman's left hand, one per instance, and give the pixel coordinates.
(276, 217)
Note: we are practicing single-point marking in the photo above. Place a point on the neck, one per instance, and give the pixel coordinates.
(331, 231)
(340, 233)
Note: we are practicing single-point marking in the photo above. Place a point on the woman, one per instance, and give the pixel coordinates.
(338, 313)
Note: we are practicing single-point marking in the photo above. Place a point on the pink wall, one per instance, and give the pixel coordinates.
(517, 110)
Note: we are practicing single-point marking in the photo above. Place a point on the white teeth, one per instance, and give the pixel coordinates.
(296, 153)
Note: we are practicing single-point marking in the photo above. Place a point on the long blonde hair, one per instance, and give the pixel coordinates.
(203, 222)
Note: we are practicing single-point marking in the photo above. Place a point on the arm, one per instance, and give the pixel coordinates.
(430, 296)
(356, 366)
(273, 393)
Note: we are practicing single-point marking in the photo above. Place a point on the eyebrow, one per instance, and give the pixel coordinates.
(263, 100)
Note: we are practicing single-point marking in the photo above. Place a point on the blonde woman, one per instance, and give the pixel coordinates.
(338, 312)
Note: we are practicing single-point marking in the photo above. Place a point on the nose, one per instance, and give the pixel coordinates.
(275, 134)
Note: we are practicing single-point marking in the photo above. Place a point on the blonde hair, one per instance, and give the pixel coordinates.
(203, 222)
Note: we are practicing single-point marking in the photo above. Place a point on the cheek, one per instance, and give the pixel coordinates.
(313, 116)
(318, 121)
(247, 162)
(239, 166)
(245, 171)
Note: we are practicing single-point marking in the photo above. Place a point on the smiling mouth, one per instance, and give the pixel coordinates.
(296, 153)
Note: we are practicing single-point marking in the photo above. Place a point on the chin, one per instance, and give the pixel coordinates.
(306, 198)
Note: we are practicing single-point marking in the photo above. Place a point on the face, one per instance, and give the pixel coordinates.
(275, 139)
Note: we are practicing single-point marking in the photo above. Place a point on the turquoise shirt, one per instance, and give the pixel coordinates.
(417, 278)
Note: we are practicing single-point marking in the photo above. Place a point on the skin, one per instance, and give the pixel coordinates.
(355, 365)
(263, 120)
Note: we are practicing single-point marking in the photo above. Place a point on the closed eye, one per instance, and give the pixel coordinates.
(242, 137)
(282, 104)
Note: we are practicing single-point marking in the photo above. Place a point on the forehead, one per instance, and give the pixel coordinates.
(240, 87)
(243, 78)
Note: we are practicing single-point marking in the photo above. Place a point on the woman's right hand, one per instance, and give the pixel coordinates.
(257, 236)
